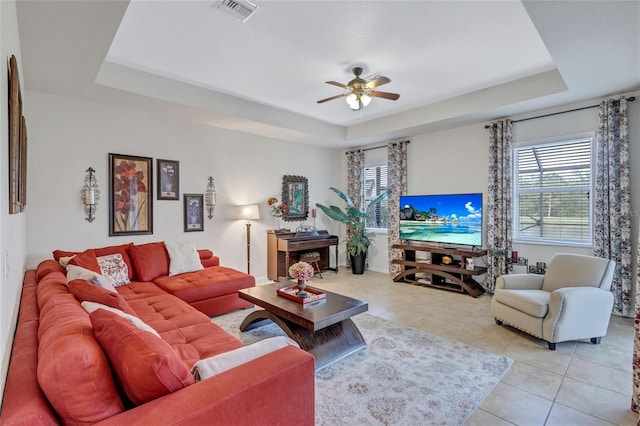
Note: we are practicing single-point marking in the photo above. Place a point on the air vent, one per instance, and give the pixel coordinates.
(242, 10)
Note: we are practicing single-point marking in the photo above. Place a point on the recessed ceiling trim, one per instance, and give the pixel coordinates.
(242, 10)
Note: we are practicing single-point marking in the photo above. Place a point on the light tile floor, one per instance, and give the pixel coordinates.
(578, 384)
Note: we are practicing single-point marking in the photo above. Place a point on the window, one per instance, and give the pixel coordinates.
(375, 183)
(552, 192)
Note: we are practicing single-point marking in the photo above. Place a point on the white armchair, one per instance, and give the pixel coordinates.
(571, 301)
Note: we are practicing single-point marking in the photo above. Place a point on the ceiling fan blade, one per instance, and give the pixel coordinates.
(335, 83)
(332, 98)
(386, 95)
(377, 82)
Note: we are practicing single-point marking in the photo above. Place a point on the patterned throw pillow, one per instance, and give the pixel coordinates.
(114, 266)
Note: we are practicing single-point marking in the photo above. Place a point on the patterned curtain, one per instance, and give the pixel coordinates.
(397, 185)
(635, 399)
(355, 174)
(499, 220)
(612, 222)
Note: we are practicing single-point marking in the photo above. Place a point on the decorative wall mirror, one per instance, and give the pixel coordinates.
(295, 195)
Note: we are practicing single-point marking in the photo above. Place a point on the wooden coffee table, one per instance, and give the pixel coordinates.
(323, 328)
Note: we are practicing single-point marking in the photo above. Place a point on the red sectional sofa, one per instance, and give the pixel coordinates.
(64, 370)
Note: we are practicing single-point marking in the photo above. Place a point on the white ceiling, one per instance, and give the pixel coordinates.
(453, 62)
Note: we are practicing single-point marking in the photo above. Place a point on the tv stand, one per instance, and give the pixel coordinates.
(447, 276)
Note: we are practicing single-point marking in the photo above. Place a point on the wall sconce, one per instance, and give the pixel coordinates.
(249, 212)
(90, 194)
(210, 197)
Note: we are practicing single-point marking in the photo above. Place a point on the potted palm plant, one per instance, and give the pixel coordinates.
(358, 239)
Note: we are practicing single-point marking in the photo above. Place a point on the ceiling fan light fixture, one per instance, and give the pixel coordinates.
(353, 102)
(357, 102)
(360, 91)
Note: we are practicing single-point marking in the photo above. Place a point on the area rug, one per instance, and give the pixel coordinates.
(405, 376)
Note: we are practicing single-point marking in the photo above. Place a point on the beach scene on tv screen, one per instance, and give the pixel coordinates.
(448, 219)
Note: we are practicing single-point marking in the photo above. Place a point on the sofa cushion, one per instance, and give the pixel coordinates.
(188, 331)
(50, 287)
(83, 291)
(104, 251)
(183, 257)
(73, 371)
(149, 260)
(139, 290)
(211, 366)
(91, 307)
(78, 273)
(145, 365)
(205, 254)
(531, 302)
(46, 267)
(208, 283)
(87, 260)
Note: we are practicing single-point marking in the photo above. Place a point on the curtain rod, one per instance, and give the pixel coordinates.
(378, 147)
(631, 99)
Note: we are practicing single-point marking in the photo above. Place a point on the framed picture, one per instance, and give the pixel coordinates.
(15, 124)
(193, 213)
(130, 195)
(168, 180)
(295, 196)
(22, 183)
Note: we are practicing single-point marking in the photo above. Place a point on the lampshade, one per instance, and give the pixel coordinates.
(356, 102)
(352, 100)
(249, 212)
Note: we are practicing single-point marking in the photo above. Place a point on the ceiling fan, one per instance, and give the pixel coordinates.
(360, 91)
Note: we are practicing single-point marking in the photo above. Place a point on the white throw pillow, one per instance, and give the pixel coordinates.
(64, 260)
(114, 266)
(92, 306)
(217, 364)
(75, 272)
(183, 257)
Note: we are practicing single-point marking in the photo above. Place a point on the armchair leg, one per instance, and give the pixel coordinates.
(596, 340)
(499, 322)
(552, 346)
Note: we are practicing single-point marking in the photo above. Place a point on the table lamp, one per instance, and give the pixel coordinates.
(249, 212)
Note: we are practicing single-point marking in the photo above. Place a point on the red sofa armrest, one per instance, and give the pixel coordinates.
(24, 402)
(276, 389)
(207, 258)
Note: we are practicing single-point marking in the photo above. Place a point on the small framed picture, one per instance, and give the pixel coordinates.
(193, 213)
(469, 263)
(295, 196)
(168, 180)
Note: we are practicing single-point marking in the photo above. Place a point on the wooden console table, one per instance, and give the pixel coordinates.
(284, 249)
(452, 276)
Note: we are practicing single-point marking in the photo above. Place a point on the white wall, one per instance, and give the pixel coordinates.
(445, 162)
(455, 161)
(12, 227)
(66, 136)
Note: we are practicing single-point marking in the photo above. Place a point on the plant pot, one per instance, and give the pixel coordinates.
(357, 263)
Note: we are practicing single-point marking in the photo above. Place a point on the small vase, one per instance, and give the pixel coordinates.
(276, 223)
(301, 286)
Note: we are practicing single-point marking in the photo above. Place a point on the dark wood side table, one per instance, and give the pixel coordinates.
(323, 328)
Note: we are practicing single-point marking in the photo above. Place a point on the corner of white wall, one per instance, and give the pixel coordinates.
(12, 227)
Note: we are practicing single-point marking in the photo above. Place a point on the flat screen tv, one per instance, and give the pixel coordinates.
(449, 219)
